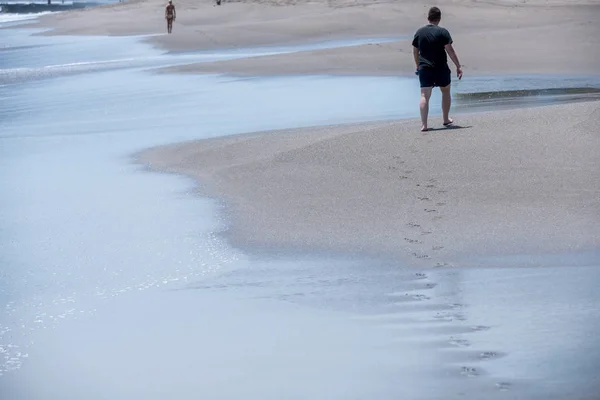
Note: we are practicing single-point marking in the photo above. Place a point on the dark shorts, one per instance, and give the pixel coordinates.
(431, 77)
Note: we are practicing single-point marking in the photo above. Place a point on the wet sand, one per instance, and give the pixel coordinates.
(119, 288)
(499, 183)
(533, 36)
(332, 330)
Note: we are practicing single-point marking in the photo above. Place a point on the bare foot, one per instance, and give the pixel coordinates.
(424, 128)
(449, 122)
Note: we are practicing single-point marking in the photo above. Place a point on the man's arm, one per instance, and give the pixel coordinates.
(174, 13)
(454, 58)
(416, 57)
(415, 45)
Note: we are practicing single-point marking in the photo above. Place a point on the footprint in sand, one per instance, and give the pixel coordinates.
(421, 256)
(413, 225)
(426, 233)
(459, 342)
(448, 317)
(423, 198)
(407, 297)
(488, 355)
(470, 372)
(440, 204)
(442, 191)
(413, 240)
(478, 328)
(503, 386)
(403, 177)
(420, 275)
(436, 248)
(430, 210)
(418, 297)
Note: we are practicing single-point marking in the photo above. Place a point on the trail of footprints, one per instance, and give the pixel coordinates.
(430, 205)
(419, 291)
(429, 209)
(432, 210)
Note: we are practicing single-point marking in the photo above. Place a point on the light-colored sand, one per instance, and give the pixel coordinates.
(515, 182)
(511, 182)
(502, 36)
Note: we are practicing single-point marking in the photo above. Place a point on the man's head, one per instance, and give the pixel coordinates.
(434, 16)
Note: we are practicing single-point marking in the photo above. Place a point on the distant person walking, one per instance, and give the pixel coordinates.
(170, 15)
(430, 44)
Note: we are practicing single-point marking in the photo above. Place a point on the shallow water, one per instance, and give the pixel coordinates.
(114, 282)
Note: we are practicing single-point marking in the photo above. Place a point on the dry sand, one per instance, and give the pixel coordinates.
(501, 36)
(510, 182)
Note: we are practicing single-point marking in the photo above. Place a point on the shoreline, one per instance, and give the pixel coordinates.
(320, 189)
(372, 59)
(484, 34)
(140, 260)
(350, 60)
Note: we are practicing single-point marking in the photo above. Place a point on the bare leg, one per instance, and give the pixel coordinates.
(446, 103)
(424, 106)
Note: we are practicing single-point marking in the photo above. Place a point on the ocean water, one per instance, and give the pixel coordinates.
(8, 19)
(115, 282)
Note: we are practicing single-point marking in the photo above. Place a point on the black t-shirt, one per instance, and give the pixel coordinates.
(430, 40)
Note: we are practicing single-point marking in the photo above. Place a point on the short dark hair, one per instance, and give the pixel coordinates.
(434, 15)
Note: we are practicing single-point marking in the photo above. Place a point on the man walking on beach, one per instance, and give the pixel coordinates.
(170, 15)
(430, 44)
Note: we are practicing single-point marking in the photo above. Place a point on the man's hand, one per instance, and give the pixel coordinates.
(454, 57)
(416, 58)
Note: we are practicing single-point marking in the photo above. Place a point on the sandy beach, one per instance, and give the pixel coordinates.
(503, 185)
(532, 36)
(288, 232)
(500, 183)
(386, 190)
